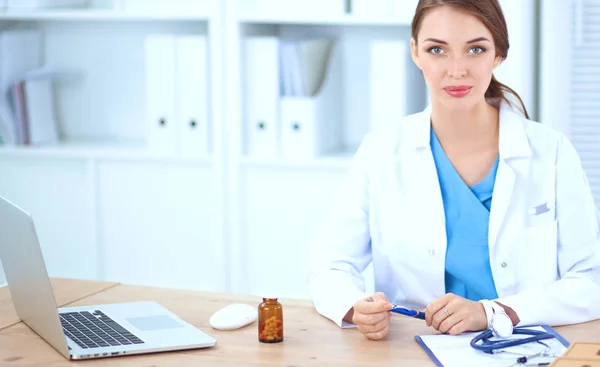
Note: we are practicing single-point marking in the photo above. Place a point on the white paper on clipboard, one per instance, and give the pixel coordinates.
(456, 351)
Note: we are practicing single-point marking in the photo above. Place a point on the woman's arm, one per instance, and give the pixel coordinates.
(575, 296)
(342, 250)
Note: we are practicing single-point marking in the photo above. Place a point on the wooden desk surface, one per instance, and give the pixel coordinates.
(310, 339)
(65, 292)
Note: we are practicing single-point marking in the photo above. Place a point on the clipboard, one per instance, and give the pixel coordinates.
(456, 351)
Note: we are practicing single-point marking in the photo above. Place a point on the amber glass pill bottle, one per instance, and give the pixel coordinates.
(270, 321)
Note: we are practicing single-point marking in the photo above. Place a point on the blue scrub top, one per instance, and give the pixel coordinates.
(468, 272)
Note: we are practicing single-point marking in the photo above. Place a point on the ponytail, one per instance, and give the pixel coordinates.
(498, 91)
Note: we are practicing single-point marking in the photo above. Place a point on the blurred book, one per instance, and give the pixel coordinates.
(303, 65)
(27, 114)
(32, 102)
(20, 52)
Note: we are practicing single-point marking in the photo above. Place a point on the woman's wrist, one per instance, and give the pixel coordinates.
(349, 315)
(511, 313)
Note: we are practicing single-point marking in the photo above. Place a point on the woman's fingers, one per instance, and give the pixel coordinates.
(449, 322)
(369, 319)
(373, 328)
(380, 334)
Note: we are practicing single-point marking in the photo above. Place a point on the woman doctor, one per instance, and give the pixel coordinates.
(465, 203)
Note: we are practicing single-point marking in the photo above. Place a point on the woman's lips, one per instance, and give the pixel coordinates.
(458, 91)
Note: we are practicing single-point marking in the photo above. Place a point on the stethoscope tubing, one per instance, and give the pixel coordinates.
(489, 346)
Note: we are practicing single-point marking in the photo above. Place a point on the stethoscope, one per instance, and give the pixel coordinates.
(501, 326)
(483, 343)
(493, 346)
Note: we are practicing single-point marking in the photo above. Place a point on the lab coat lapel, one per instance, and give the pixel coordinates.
(503, 190)
(513, 144)
(424, 195)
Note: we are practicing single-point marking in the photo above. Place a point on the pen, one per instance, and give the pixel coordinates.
(408, 312)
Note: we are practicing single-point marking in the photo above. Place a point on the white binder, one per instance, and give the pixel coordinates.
(311, 125)
(192, 95)
(40, 111)
(160, 94)
(261, 92)
(388, 75)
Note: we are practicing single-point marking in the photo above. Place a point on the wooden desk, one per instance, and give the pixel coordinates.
(310, 339)
(65, 291)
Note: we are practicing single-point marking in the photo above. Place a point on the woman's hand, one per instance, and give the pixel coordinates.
(454, 315)
(372, 316)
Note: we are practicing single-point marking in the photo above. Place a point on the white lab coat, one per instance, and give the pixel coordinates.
(546, 266)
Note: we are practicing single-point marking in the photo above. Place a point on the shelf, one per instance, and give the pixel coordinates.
(316, 19)
(99, 15)
(95, 150)
(338, 161)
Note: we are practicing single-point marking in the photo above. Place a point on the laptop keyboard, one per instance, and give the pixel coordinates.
(95, 329)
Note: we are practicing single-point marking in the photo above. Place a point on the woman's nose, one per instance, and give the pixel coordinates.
(457, 68)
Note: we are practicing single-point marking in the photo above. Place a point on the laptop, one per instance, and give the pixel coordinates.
(82, 332)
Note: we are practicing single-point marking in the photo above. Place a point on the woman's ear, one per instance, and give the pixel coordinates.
(414, 52)
(497, 61)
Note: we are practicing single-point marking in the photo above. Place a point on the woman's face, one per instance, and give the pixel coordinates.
(457, 55)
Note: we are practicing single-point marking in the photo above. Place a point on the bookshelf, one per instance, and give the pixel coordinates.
(93, 151)
(101, 15)
(278, 204)
(330, 12)
(204, 222)
(340, 20)
(101, 96)
(117, 207)
(340, 161)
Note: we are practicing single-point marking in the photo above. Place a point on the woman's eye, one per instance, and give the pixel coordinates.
(436, 50)
(477, 50)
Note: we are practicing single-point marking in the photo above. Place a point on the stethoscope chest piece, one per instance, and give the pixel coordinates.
(501, 325)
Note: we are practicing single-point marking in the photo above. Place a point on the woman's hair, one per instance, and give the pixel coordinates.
(490, 14)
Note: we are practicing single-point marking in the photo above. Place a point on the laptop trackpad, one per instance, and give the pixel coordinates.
(150, 323)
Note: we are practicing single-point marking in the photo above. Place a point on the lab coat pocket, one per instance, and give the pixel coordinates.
(542, 248)
(540, 215)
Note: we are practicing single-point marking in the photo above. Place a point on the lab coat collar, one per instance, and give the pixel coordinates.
(513, 141)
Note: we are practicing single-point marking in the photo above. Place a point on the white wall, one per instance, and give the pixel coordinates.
(519, 70)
